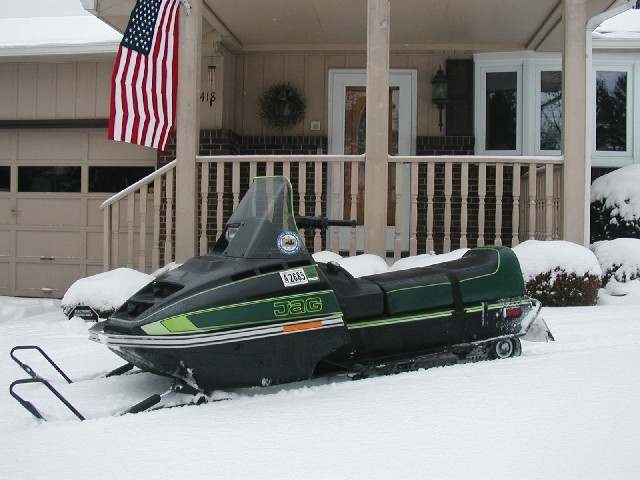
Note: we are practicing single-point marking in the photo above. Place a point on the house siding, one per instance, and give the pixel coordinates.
(253, 73)
(72, 90)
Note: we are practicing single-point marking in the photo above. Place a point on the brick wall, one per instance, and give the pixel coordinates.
(444, 145)
(226, 142)
(281, 145)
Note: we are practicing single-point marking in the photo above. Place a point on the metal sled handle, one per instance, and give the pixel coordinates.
(31, 408)
(30, 370)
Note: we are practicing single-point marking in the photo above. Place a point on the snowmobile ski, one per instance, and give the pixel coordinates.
(36, 378)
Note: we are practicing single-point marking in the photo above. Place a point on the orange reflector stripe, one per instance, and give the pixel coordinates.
(301, 326)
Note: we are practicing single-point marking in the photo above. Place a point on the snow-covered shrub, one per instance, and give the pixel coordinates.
(619, 259)
(559, 273)
(615, 204)
(104, 292)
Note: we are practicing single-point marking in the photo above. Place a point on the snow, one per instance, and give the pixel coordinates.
(536, 256)
(41, 8)
(624, 25)
(620, 189)
(105, 291)
(29, 27)
(427, 259)
(621, 256)
(55, 30)
(358, 266)
(566, 409)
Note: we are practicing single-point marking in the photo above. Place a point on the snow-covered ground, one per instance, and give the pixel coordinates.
(567, 409)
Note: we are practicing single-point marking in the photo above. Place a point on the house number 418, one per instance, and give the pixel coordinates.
(208, 97)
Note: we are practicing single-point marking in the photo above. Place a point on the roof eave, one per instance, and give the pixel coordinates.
(58, 49)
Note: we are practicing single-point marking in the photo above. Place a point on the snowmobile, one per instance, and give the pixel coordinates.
(258, 310)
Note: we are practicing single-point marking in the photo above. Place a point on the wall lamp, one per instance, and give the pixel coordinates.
(440, 92)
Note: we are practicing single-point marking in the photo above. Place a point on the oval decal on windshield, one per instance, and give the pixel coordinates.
(289, 242)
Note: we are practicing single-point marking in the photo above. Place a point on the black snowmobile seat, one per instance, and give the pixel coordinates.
(481, 274)
(358, 298)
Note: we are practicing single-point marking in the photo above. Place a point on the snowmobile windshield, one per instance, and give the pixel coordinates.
(263, 225)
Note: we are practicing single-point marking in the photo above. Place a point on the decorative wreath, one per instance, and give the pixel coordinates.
(282, 106)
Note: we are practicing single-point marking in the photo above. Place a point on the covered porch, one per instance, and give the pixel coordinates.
(436, 200)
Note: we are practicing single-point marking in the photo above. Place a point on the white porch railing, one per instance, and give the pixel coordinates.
(452, 202)
(141, 223)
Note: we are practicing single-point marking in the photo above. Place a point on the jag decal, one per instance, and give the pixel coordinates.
(297, 306)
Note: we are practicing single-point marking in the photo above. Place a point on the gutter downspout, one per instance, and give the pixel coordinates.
(594, 22)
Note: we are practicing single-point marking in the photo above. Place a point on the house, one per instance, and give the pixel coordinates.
(56, 166)
(504, 156)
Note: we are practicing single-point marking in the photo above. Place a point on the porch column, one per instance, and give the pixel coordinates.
(187, 130)
(377, 118)
(576, 177)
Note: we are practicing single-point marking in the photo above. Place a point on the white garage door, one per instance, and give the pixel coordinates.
(52, 183)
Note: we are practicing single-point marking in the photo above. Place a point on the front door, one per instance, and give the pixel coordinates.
(347, 136)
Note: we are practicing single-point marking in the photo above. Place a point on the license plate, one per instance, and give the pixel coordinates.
(296, 276)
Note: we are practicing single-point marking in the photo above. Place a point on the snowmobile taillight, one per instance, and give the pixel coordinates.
(512, 312)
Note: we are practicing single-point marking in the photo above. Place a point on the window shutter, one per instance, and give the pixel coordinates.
(459, 111)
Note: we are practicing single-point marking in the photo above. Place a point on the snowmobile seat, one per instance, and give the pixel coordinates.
(358, 298)
(480, 275)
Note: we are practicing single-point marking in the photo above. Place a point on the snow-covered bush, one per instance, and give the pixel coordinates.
(619, 259)
(615, 204)
(559, 273)
(104, 292)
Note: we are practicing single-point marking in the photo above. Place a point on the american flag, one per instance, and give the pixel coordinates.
(145, 76)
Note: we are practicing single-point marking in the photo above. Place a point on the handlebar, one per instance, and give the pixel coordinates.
(323, 222)
(342, 223)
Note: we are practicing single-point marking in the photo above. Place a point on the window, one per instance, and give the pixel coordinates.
(611, 111)
(612, 108)
(5, 179)
(530, 83)
(501, 110)
(498, 117)
(550, 104)
(518, 103)
(48, 179)
(114, 179)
